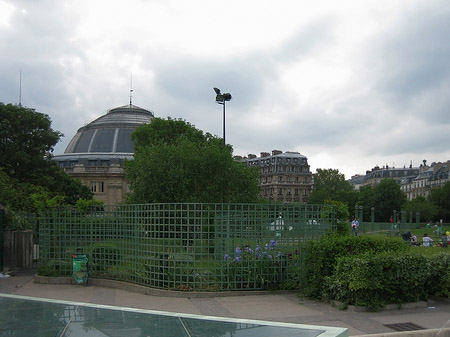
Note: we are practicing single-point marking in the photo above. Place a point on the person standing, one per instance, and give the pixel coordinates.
(444, 240)
(355, 226)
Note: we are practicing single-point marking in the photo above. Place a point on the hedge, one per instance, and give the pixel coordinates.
(373, 271)
(320, 257)
(376, 280)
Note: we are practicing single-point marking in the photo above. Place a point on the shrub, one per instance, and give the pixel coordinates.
(268, 266)
(105, 255)
(376, 280)
(55, 268)
(439, 278)
(320, 257)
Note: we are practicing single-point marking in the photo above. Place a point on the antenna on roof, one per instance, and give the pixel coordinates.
(131, 90)
(20, 88)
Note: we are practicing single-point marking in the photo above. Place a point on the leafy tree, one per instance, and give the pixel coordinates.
(26, 141)
(385, 197)
(29, 178)
(175, 162)
(427, 209)
(330, 184)
(342, 214)
(440, 197)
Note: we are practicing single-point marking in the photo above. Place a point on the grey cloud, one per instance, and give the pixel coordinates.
(414, 58)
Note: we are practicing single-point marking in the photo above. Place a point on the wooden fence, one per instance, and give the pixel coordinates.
(18, 250)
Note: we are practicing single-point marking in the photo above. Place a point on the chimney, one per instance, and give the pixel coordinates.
(265, 154)
(275, 152)
(251, 156)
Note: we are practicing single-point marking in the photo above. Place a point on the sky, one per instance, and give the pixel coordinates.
(349, 84)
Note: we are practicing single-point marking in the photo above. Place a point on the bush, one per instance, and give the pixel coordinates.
(439, 278)
(376, 280)
(320, 257)
(105, 255)
(55, 268)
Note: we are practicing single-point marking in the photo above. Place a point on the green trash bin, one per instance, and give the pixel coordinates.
(80, 269)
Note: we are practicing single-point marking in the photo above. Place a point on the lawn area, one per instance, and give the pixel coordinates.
(418, 229)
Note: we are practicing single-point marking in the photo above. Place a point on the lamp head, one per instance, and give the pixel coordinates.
(227, 96)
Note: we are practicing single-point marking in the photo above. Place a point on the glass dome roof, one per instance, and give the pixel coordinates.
(110, 133)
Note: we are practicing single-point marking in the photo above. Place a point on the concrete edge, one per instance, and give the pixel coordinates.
(444, 332)
(412, 305)
(153, 291)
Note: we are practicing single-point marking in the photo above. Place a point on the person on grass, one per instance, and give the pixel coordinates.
(427, 241)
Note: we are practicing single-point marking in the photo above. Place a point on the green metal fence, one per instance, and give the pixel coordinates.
(201, 247)
(387, 228)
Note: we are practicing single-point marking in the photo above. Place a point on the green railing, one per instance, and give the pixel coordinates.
(201, 247)
(387, 228)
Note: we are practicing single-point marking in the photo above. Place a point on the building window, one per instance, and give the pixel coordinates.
(97, 187)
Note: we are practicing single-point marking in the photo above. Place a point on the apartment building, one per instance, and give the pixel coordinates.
(284, 177)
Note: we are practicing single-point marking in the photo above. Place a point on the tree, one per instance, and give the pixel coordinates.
(26, 142)
(440, 197)
(175, 162)
(426, 208)
(385, 197)
(29, 178)
(330, 184)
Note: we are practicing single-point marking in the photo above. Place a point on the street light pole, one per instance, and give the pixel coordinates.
(221, 99)
(224, 123)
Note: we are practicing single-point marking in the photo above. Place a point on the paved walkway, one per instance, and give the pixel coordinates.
(283, 307)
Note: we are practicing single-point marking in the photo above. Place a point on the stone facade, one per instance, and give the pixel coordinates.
(284, 177)
(96, 155)
(429, 177)
(414, 181)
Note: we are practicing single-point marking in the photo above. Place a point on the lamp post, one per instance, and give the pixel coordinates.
(221, 99)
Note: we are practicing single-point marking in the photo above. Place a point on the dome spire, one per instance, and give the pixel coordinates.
(131, 90)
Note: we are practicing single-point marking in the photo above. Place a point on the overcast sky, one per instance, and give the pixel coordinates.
(348, 84)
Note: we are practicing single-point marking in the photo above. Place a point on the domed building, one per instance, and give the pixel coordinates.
(96, 155)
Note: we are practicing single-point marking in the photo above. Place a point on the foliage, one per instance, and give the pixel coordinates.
(26, 139)
(330, 184)
(19, 221)
(262, 266)
(384, 197)
(439, 279)
(54, 268)
(342, 215)
(104, 255)
(441, 198)
(175, 162)
(374, 280)
(426, 208)
(30, 180)
(320, 256)
(85, 205)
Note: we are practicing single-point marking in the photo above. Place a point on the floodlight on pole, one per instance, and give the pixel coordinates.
(221, 99)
